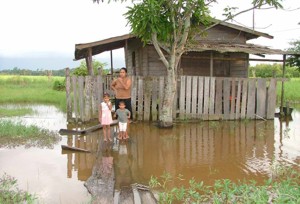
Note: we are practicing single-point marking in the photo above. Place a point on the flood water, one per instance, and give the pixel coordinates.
(205, 151)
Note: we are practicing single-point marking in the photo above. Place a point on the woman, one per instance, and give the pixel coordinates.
(122, 89)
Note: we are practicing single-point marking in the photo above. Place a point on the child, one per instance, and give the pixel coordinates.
(105, 117)
(123, 115)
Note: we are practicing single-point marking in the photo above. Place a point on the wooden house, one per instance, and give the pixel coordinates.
(213, 78)
(223, 51)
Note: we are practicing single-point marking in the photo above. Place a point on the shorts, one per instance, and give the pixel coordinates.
(122, 126)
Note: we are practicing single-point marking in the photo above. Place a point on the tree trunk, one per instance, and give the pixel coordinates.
(170, 88)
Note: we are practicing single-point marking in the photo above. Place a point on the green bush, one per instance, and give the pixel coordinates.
(273, 70)
(59, 85)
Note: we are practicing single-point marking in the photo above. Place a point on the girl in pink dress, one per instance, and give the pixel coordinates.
(105, 117)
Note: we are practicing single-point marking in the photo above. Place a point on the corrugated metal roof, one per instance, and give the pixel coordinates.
(232, 47)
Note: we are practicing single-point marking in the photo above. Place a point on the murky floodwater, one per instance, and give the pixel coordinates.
(205, 151)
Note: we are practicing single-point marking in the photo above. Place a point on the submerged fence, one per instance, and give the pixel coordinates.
(198, 97)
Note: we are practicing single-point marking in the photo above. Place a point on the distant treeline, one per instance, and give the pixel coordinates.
(273, 70)
(28, 72)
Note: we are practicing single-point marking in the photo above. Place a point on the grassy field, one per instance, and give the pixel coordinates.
(291, 90)
(31, 89)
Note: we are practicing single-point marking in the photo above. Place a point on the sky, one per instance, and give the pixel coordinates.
(40, 34)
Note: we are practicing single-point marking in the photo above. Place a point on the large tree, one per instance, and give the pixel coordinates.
(169, 25)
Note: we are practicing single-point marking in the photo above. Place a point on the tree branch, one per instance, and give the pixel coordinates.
(159, 51)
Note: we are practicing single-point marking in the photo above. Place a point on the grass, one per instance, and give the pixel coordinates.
(291, 90)
(282, 188)
(31, 89)
(14, 134)
(9, 112)
(10, 193)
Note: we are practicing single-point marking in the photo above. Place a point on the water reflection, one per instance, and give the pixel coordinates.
(205, 151)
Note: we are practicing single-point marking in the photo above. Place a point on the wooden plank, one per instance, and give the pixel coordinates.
(219, 93)
(84, 131)
(271, 102)
(140, 98)
(238, 100)
(232, 99)
(75, 96)
(226, 98)
(244, 98)
(251, 99)
(212, 93)
(261, 96)
(87, 98)
(147, 97)
(194, 96)
(200, 97)
(94, 98)
(68, 96)
(65, 147)
(133, 96)
(81, 95)
(206, 98)
(154, 111)
(188, 96)
(182, 98)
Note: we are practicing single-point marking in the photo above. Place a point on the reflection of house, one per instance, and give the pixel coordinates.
(224, 150)
(222, 52)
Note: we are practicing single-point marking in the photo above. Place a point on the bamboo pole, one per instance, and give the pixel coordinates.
(68, 95)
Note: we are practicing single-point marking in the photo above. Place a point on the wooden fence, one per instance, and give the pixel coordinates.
(205, 98)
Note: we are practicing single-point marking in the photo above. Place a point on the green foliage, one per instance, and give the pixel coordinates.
(272, 70)
(284, 188)
(165, 18)
(16, 133)
(294, 60)
(59, 85)
(82, 70)
(10, 193)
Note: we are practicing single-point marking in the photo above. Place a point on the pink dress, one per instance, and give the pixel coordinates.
(106, 114)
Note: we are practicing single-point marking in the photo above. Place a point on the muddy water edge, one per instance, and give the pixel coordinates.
(206, 151)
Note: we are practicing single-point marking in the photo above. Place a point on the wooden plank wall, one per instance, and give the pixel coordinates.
(206, 98)
(215, 98)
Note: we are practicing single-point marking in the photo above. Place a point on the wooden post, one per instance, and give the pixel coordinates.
(89, 62)
(211, 64)
(68, 95)
(282, 86)
(111, 64)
